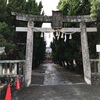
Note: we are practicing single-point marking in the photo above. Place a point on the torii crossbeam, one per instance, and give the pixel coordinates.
(48, 30)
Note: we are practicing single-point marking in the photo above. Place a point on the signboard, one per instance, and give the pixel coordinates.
(98, 48)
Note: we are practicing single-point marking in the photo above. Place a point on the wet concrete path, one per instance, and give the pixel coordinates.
(52, 82)
(52, 74)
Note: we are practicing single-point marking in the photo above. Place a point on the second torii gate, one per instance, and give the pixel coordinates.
(57, 19)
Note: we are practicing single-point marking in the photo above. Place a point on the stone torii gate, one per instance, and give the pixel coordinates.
(57, 19)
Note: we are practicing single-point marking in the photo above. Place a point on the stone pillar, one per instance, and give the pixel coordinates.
(0, 69)
(15, 69)
(99, 63)
(29, 54)
(85, 53)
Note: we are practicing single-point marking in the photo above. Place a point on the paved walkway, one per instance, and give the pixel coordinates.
(52, 82)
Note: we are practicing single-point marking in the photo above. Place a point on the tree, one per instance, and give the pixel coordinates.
(19, 39)
(70, 8)
(95, 8)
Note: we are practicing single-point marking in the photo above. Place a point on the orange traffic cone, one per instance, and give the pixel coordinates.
(8, 93)
(17, 84)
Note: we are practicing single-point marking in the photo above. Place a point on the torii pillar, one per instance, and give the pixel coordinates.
(29, 53)
(85, 53)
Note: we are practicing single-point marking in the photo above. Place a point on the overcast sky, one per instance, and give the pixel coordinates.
(48, 6)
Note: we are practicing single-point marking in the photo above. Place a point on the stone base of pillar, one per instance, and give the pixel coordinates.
(88, 81)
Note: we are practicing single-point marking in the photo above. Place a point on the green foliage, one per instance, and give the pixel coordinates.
(12, 40)
(6, 36)
(39, 50)
(95, 8)
(74, 7)
(71, 49)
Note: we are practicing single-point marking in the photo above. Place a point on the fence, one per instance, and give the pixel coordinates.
(11, 68)
(95, 71)
(95, 65)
